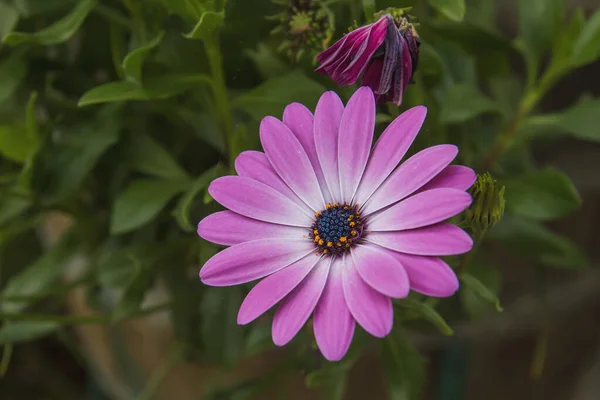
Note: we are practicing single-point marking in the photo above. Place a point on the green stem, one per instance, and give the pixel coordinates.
(160, 373)
(6, 356)
(467, 258)
(369, 9)
(79, 319)
(220, 93)
(112, 15)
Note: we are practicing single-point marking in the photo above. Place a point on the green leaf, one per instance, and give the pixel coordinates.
(539, 21)
(140, 202)
(266, 61)
(9, 16)
(58, 32)
(29, 8)
(11, 206)
(332, 378)
(453, 9)
(117, 266)
(404, 366)
(533, 241)
(65, 160)
(208, 26)
(15, 143)
(148, 156)
(188, 9)
(562, 49)
(427, 312)
(543, 195)
(41, 274)
(155, 88)
(271, 97)
(12, 71)
(587, 46)
(204, 126)
(22, 331)
(464, 102)
(223, 338)
(133, 62)
(581, 120)
(481, 290)
(475, 304)
(135, 292)
(182, 209)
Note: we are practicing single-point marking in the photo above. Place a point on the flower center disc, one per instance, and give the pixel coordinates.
(336, 228)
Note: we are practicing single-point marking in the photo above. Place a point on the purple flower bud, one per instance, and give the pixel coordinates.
(384, 53)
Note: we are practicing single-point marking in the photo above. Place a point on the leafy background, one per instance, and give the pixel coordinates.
(116, 114)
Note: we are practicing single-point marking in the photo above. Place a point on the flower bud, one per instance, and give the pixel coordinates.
(487, 207)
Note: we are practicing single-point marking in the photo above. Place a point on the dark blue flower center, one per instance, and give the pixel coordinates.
(336, 228)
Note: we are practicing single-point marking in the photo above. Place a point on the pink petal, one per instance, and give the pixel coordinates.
(371, 309)
(442, 239)
(332, 53)
(289, 159)
(372, 76)
(410, 176)
(332, 322)
(428, 275)
(255, 165)
(294, 310)
(355, 139)
(453, 176)
(273, 288)
(389, 150)
(300, 121)
(361, 56)
(422, 209)
(328, 115)
(380, 270)
(257, 200)
(228, 228)
(253, 260)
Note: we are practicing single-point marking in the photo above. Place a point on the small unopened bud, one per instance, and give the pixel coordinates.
(306, 27)
(487, 207)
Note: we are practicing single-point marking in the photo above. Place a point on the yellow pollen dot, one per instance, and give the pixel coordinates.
(339, 244)
(316, 232)
(318, 214)
(350, 218)
(321, 242)
(329, 244)
(353, 232)
(352, 224)
(335, 204)
(343, 239)
(347, 245)
(328, 206)
(346, 208)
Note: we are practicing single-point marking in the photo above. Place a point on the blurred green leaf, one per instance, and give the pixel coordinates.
(332, 378)
(562, 49)
(581, 120)
(58, 32)
(12, 71)
(427, 312)
(481, 290)
(587, 46)
(9, 16)
(140, 202)
(539, 21)
(188, 9)
(15, 143)
(223, 338)
(133, 62)
(464, 102)
(41, 274)
(266, 61)
(453, 9)
(475, 304)
(204, 126)
(116, 266)
(155, 88)
(544, 195)
(35, 7)
(135, 292)
(22, 331)
(271, 97)
(11, 206)
(148, 156)
(404, 366)
(208, 26)
(533, 241)
(66, 157)
(182, 209)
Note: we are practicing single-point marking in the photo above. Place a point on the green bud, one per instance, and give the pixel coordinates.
(487, 208)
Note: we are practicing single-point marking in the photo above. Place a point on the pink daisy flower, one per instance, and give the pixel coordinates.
(333, 227)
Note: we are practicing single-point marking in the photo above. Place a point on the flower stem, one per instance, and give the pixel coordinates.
(220, 93)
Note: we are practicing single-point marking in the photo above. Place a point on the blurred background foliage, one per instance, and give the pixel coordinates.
(116, 114)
